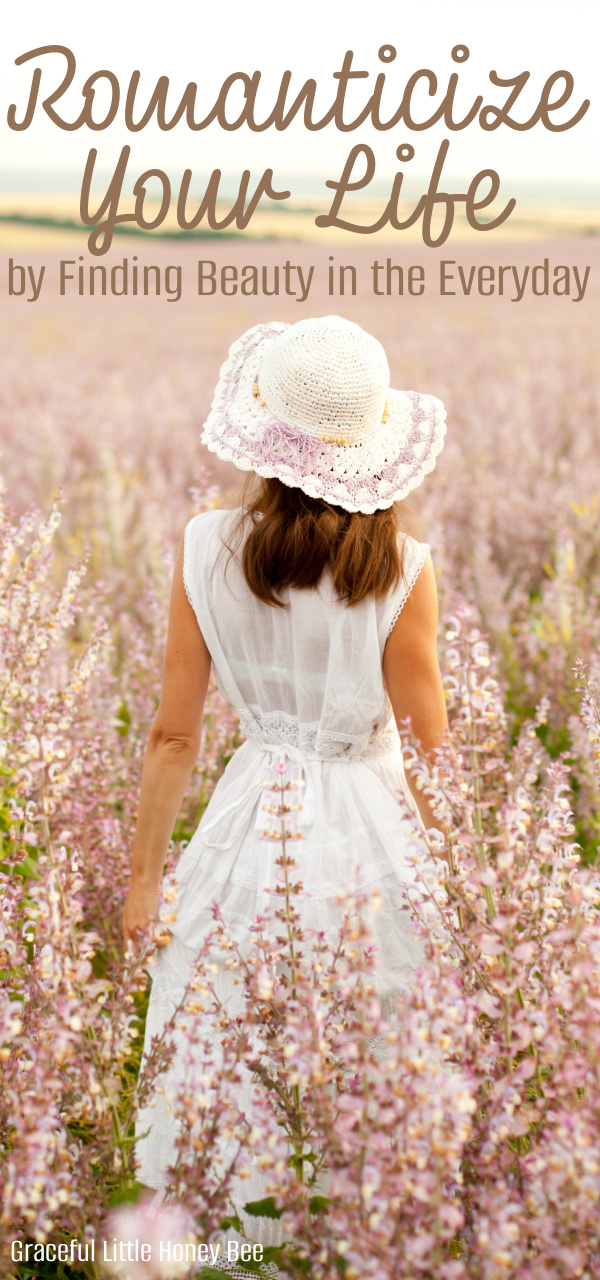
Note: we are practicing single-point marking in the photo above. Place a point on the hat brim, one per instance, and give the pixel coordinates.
(364, 476)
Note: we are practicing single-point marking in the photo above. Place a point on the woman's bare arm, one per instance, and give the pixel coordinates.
(171, 754)
(412, 674)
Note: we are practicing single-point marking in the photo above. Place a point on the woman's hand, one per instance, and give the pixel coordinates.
(140, 909)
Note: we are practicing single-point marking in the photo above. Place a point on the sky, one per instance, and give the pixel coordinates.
(205, 42)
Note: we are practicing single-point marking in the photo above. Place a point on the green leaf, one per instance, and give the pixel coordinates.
(124, 716)
(273, 1253)
(232, 1221)
(263, 1208)
(319, 1204)
(296, 1162)
(53, 1270)
(27, 869)
(300, 1266)
(129, 1139)
(128, 1194)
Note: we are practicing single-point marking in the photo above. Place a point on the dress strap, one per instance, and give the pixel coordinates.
(413, 558)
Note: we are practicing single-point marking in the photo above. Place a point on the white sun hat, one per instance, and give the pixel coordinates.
(311, 404)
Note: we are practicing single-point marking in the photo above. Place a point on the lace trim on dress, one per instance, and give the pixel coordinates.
(424, 548)
(186, 538)
(277, 728)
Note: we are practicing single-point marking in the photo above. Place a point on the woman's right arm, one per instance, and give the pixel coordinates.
(412, 674)
(171, 754)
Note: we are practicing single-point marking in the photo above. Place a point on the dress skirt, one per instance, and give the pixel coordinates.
(359, 826)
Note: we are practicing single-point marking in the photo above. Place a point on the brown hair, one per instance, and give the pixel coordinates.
(293, 538)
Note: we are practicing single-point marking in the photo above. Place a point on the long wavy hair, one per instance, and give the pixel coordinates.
(290, 539)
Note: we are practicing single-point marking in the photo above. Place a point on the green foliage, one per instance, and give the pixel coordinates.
(129, 1193)
(124, 718)
(319, 1204)
(263, 1208)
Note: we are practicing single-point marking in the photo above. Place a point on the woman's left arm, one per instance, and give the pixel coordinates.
(171, 754)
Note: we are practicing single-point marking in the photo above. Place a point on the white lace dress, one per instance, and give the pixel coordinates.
(307, 684)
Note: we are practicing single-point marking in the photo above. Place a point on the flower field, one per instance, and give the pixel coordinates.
(470, 1149)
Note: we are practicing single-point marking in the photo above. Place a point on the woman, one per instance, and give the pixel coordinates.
(298, 600)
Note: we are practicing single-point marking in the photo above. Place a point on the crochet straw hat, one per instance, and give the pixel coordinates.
(311, 404)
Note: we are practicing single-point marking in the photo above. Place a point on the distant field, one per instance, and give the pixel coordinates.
(34, 218)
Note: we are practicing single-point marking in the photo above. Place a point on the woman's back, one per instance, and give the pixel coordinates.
(309, 675)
